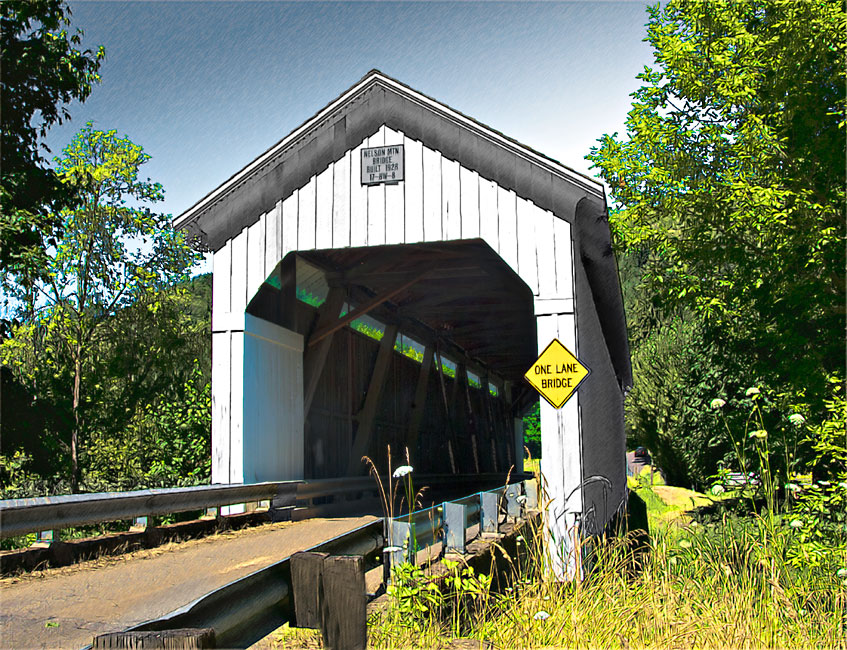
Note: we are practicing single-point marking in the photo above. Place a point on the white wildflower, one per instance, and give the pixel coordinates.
(841, 573)
(717, 489)
(717, 403)
(752, 391)
(796, 523)
(796, 419)
(541, 616)
(401, 471)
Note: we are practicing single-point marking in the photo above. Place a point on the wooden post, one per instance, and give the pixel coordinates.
(329, 593)
(361, 445)
(420, 399)
(315, 357)
(181, 639)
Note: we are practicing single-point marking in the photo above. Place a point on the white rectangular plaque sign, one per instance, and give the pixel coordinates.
(382, 164)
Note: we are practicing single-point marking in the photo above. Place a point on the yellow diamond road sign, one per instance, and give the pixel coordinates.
(556, 374)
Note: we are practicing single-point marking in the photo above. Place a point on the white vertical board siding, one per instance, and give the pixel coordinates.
(273, 402)
(376, 199)
(289, 223)
(358, 199)
(323, 211)
(413, 222)
(564, 258)
(451, 218)
(527, 253)
(220, 406)
(431, 194)
(561, 455)
(221, 282)
(507, 218)
(545, 251)
(341, 202)
(238, 273)
(273, 238)
(395, 199)
(306, 216)
(256, 248)
(488, 218)
(469, 189)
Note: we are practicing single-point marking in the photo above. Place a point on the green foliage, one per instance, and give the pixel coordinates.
(820, 504)
(109, 280)
(43, 72)
(532, 430)
(732, 178)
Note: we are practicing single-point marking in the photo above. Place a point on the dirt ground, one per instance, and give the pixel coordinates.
(66, 607)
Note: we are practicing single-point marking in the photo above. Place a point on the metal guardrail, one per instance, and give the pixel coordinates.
(249, 608)
(22, 516)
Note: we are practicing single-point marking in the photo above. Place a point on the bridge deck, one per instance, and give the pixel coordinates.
(67, 607)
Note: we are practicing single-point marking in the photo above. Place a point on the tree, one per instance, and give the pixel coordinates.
(731, 180)
(105, 284)
(43, 71)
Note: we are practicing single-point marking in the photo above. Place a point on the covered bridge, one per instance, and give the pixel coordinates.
(353, 309)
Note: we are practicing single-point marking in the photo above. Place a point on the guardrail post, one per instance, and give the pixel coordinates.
(403, 538)
(530, 488)
(488, 512)
(455, 517)
(139, 524)
(45, 538)
(513, 507)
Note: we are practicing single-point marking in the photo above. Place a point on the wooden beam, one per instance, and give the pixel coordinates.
(329, 328)
(315, 358)
(418, 405)
(361, 445)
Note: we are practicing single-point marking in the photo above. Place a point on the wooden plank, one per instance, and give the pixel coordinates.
(488, 213)
(527, 260)
(306, 216)
(273, 239)
(507, 227)
(179, 639)
(450, 200)
(236, 426)
(315, 357)
(238, 274)
(341, 203)
(376, 200)
(358, 199)
(469, 197)
(306, 570)
(432, 227)
(221, 282)
(220, 406)
(327, 330)
(414, 227)
(419, 404)
(395, 218)
(546, 251)
(564, 258)
(449, 420)
(255, 257)
(290, 207)
(344, 624)
(324, 185)
(361, 445)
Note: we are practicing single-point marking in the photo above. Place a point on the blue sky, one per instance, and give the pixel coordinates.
(206, 86)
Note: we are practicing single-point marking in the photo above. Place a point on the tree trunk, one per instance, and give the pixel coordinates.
(75, 431)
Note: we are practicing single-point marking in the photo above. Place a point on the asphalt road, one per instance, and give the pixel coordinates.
(67, 607)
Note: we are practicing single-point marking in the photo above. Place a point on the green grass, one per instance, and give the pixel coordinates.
(737, 583)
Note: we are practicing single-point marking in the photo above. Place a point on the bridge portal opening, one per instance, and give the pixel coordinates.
(417, 347)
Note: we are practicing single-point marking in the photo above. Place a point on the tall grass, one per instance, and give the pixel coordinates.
(727, 584)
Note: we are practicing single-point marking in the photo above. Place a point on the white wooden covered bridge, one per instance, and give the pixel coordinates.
(351, 312)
